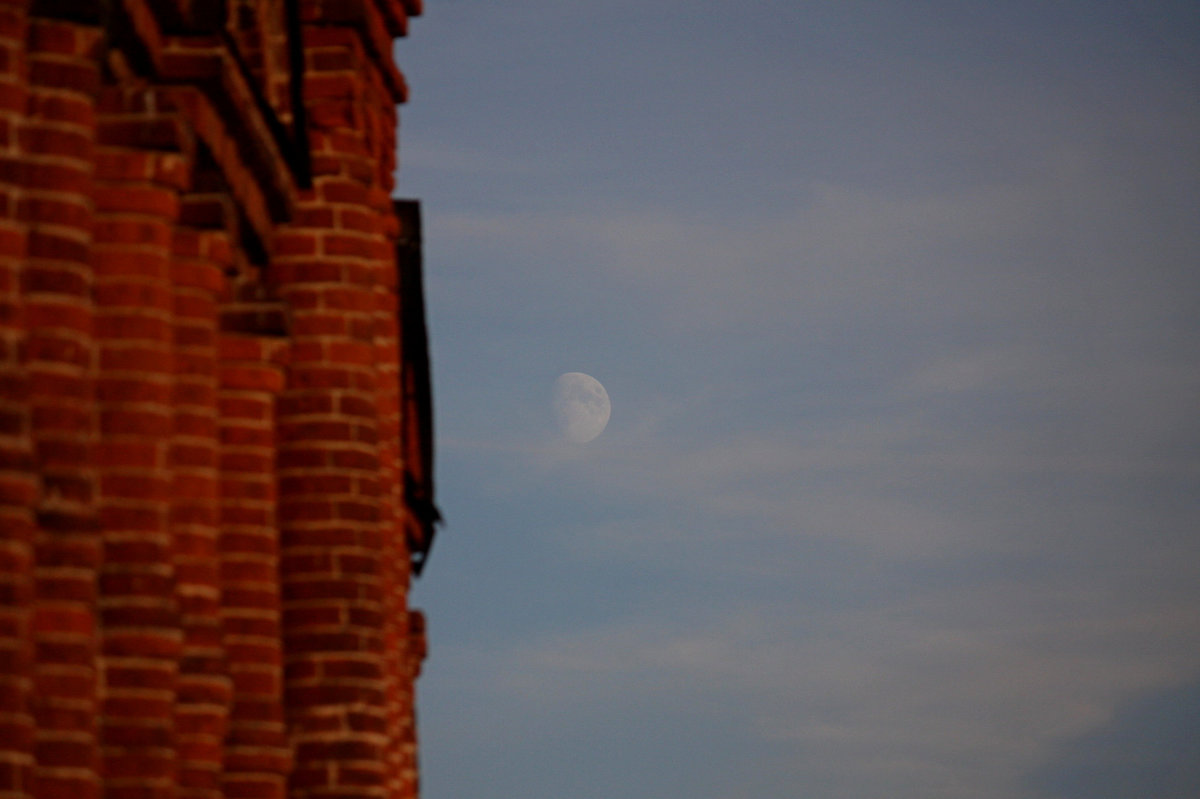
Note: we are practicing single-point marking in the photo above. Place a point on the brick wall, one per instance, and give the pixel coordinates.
(214, 410)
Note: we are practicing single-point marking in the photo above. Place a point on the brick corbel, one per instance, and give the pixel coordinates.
(375, 28)
(229, 116)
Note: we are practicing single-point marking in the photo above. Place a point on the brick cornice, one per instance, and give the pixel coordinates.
(377, 22)
(228, 114)
(397, 12)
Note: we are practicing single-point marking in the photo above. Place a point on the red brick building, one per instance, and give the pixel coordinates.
(214, 406)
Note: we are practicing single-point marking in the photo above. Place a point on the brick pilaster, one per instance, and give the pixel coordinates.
(137, 207)
(399, 751)
(18, 480)
(327, 267)
(258, 758)
(205, 693)
(57, 147)
(203, 562)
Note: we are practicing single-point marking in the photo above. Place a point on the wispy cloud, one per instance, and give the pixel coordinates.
(942, 691)
(898, 315)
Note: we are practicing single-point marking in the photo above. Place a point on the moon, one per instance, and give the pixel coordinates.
(581, 406)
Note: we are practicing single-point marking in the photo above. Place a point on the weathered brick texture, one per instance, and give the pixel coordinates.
(214, 412)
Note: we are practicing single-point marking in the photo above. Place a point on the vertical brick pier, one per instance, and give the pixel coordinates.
(215, 421)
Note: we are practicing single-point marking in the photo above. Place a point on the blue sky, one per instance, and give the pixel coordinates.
(898, 308)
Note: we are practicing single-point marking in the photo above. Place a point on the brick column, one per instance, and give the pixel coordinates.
(137, 206)
(258, 757)
(399, 753)
(327, 266)
(56, 145)
(18, 481)
(204, 689)
(406, 740)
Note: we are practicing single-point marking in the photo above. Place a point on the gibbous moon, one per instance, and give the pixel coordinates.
(581, 406)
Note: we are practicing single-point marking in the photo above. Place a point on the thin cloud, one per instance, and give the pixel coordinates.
(898, 315)
(896, 690)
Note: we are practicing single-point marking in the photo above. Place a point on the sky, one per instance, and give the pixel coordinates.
(898, 309)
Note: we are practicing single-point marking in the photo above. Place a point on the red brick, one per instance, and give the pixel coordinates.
(316, 484)
(254, 378)
(286, 272)
(257, 786)
(141, 422)
(242, 348)
(51, 36)
(195, 456)
(61, 313)
(66, 417)
(196, 425)
(148, 430)
(354, 219)
(306, 511)
(247, 571)
(56, 279)
(56, 176)
(114, 261)
(139, 199)
(355, 246)
(199, 307)
(320, 324)
(140, 789)
(72, 212)
(134, 581)
(142, 764)
(62, 619)
(243, 408)
(247, 490)
(240, 436)
(199, 275)
(295, 244)
(357, 511)
(295, 458)
(46, 140)
(136, 358)
(153, 134)
(62, 753)
(159, 676)
(148, 388)
(343, 191)
(132, 230)
(252, 463)
(146, 644)
(77, 684)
